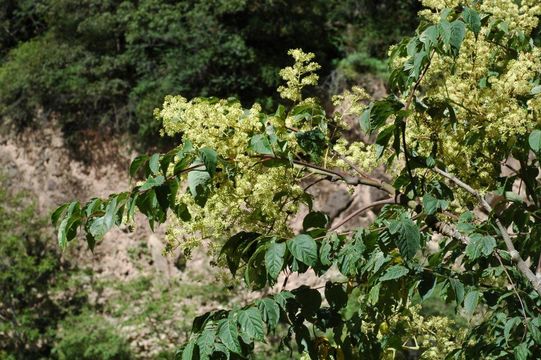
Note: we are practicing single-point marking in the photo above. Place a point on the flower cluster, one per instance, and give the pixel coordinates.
(299, 75)
(520, 16)
(432, 336)
(486, 85)
(252, 196)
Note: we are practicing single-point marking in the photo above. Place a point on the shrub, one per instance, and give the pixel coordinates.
(35, 287)
(89, 336)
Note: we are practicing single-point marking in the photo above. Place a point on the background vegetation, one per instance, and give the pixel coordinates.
(108, 64)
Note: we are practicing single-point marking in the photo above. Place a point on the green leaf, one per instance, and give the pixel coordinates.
(536, 90)
(182, 212)
(406, 235)
(183, 158)
(431, 205)
(62, 233)
(522, 351)
(206, 341)
(152, 182)
(394, 272)
(373, 294)
(364, 120)
(427, 285)
(381, 110)
(304, 249)
(313, 142)
(383, 139)
(326, 249)
(234, 248)
(336, 295)
(445, 31)
(419, 61)
(100, 226)
(534, 327)
(470, 302)
(251, 323)
(55, 216)
(198, 184)
(429, 37)
(465, 223)
(458, 31)
(509, 325)
(255, 274)
(308, 299)
(210, 159)
(154, 164)
(189, 351)
(353, 306)
(315, 219)
(458, 289)
(376, 261)
(480, 245)
(282, 297)
(348, 257)
(166, 160)
(270, 312)
(260, 144)
(221, 348)
(535, 141)
(274, 258)
(472, 19)
(67, 229)
(229, 335)
(136, 164)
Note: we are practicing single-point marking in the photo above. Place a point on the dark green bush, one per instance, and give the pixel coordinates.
(89, 336)
(35, 287)
(368, 28)
(97, 63)
(108, 63)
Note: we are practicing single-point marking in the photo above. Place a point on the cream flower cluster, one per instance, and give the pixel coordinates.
(256, 198)
(361, 155)
(486, 90)
(520, 16)
(299, 75)
(433, 336)
(243, 202)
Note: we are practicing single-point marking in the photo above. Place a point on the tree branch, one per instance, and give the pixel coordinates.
(515, 256)
(450, 231)
(363, 209)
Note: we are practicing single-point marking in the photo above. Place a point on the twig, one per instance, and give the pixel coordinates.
(363, 209)
(450, 231)
(515, 256)
(538, 270)
(513, 286)
(315, 182)
(351, 165)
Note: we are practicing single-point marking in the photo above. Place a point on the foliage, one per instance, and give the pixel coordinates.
(89, 336)
(110, 63)
(367, 28)
(37, 290)
(464, 103)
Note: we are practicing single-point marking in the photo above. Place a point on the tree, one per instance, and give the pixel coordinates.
(112, 62)
(460, 137)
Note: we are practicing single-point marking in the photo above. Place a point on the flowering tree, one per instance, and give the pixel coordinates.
(460, 139)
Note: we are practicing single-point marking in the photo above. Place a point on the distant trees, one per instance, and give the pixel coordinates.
(110, 63)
